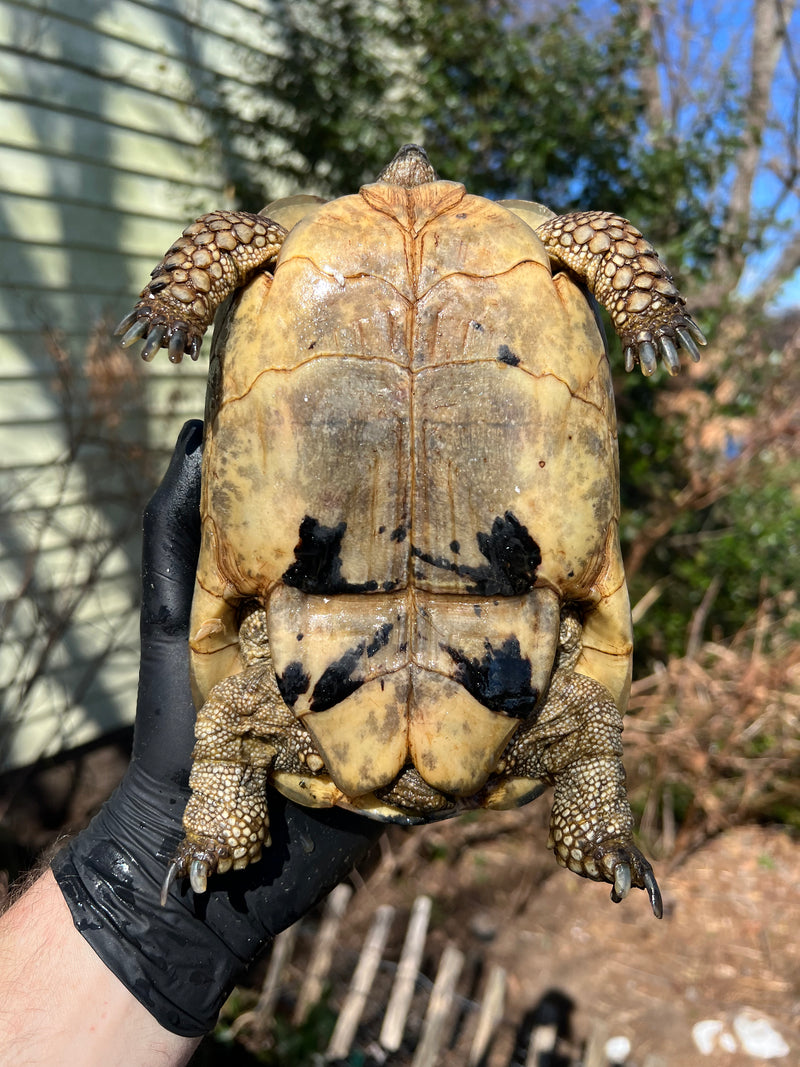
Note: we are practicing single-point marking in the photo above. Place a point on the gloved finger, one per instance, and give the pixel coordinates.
(164, 732)
(172, 540)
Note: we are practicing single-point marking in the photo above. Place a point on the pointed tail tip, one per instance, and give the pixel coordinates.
(409, 168)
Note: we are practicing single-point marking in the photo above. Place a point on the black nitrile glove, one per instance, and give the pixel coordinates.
(181, 960)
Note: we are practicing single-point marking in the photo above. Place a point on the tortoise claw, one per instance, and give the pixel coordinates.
(695, 330)
(133, 333)
(125, 324)
(669, 354)
(622, 882)
(648, 357)
(653, 892)
(664, 341)
(171, 875)
(158, 332)
(687, 343)
(198, 876)
(177, 346)
(153, 342)
(197, 860)
(645, 879)
(199, 857)
(199, 870)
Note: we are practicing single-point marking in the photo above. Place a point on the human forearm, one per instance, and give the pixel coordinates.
(60, 1004)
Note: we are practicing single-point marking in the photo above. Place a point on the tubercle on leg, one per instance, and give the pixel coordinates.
(590, 809)
(581, 748)
(226, 822)
(215, 255)
(623, 271)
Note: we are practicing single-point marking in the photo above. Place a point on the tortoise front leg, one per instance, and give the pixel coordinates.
(214, 256)
(623, 272)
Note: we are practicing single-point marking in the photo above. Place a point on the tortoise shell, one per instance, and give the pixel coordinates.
(411, 462)
(410, 598)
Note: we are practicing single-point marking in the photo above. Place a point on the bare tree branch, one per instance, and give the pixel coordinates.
(647, 18)
(770, 28)
(787, 264)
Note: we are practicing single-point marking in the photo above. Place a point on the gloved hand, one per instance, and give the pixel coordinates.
(181, 960)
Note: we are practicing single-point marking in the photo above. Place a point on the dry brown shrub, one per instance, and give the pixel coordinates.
(712, 740)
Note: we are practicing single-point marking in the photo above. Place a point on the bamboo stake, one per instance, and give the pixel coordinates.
(361, 985)
(282, 949)
(439, 1006)
(489, 1016)
(394, 1021)
(595, 1052)
(322, 952)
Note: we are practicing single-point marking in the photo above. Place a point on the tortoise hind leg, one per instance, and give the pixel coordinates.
(226, 821)
(575, 745)
(243, 730)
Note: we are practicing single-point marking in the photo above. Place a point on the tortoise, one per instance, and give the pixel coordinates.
(410, 598)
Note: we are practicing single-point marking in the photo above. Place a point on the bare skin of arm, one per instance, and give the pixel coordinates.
(60, 1004)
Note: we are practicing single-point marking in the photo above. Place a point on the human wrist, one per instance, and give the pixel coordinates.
(182, 959)
(111, 876)
(74, 1010)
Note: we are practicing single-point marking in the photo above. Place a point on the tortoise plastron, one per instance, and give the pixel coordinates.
(410, 598)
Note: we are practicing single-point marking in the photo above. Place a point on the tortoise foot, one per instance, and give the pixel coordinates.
(211, 259)
(219, 839)
(625, 274)
(677, 330)
(617, 862)
(199, 857)
(160, 329)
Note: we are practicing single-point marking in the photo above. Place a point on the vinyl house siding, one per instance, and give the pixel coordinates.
(107, 149)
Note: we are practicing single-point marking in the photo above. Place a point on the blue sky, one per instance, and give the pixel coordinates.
(702, 41)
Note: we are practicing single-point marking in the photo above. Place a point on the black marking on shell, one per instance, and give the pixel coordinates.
(381, 638)
(293, 682)
(512, 560)
(317, 566)
(505, 355)
(399, 534)
(501, 680)
(455, 547)
(340, 679)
